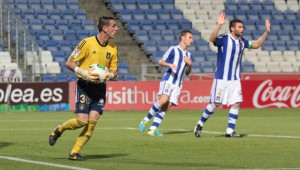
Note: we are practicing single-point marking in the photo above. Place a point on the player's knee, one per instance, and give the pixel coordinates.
(81, 123)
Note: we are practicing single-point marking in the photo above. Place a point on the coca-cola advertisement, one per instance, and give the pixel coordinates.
(271, 93)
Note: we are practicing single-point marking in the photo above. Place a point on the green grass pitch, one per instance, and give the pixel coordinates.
(272, 141)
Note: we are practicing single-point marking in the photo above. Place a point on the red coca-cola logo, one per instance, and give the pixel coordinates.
(282, 96)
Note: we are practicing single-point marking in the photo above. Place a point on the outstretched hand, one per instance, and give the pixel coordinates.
(268, 25)
(221, 18)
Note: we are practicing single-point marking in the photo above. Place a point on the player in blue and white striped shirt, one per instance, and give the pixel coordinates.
(179, 62)
(226, 88)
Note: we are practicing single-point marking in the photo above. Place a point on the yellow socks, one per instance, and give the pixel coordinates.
(84, 136)
(72, 124)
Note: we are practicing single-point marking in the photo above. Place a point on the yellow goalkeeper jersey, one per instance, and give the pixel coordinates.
(89, 51)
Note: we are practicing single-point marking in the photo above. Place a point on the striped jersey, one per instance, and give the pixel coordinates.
(175, 55)
(230, 52)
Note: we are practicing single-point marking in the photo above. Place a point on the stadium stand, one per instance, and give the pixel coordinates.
(57, 27)
(155, 25)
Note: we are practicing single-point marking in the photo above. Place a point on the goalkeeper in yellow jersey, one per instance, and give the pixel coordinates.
(90, 94)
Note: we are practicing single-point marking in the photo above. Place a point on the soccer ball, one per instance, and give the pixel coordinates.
(98, 69)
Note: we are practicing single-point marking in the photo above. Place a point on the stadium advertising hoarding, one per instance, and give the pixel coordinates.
(34, 96)
(141, 95)
(195, 94)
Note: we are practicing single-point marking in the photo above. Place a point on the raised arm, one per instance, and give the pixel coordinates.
(221, 20)
(261, 39)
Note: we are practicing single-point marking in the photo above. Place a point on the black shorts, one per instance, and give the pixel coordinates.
(90, 96)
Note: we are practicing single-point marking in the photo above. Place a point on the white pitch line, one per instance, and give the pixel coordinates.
(182, 130)
(267, 169)
(42, 163)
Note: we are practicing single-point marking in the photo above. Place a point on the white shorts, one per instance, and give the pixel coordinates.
(226, 92)
(171, 90)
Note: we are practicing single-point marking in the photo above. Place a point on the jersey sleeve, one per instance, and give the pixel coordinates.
(220, 40)
(169, 54)
(79, 52)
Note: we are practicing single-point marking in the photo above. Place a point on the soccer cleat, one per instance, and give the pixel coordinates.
(233, 135)
(54, 136)
(154, 132)
(143, 125)
(75, 157)
(197, 130)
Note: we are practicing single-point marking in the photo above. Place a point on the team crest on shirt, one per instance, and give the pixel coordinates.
(81, 106)
(108, 55)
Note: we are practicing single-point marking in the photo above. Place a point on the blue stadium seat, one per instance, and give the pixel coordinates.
(265, 14)
(35, 24)
(290, 15)
(41, 14)
(250, 24)
(70, 35)
(293, 45)
(93, 32)
(56, 35)
(47, 4)
(143, 4)
(284, 35)
(168, 35)
(240, 14)
(57, 54)
(129, 77)
(133, 26)
(67, 14)
(168, 4)
(42, 35)
(72, 77)
(163, 45)
(75, 24)
(277, 15)
(117, 5)
(151, 14)
(252, 15)
(49, 24)
(155, 4)
(141, 36)
(81, 34)
(185, 24)
(280, 45)
(48, 78)
(146, 25)
(276, 25)
(231, 5)
(287, 25)
(61, 77)
(130, 4)
(268, 5)
(295, 35)
(88, 25)
(176, 14)
(155, 35)
(125, 15)
(55, 14)
(150, 47)
(248, 66)
(159, 24)
(164, 14)
(172, 24)
(256, 5)
(62, 24)
(138, 14)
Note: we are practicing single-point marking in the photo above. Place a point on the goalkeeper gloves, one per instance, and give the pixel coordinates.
(109, 75)
(89, 76)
